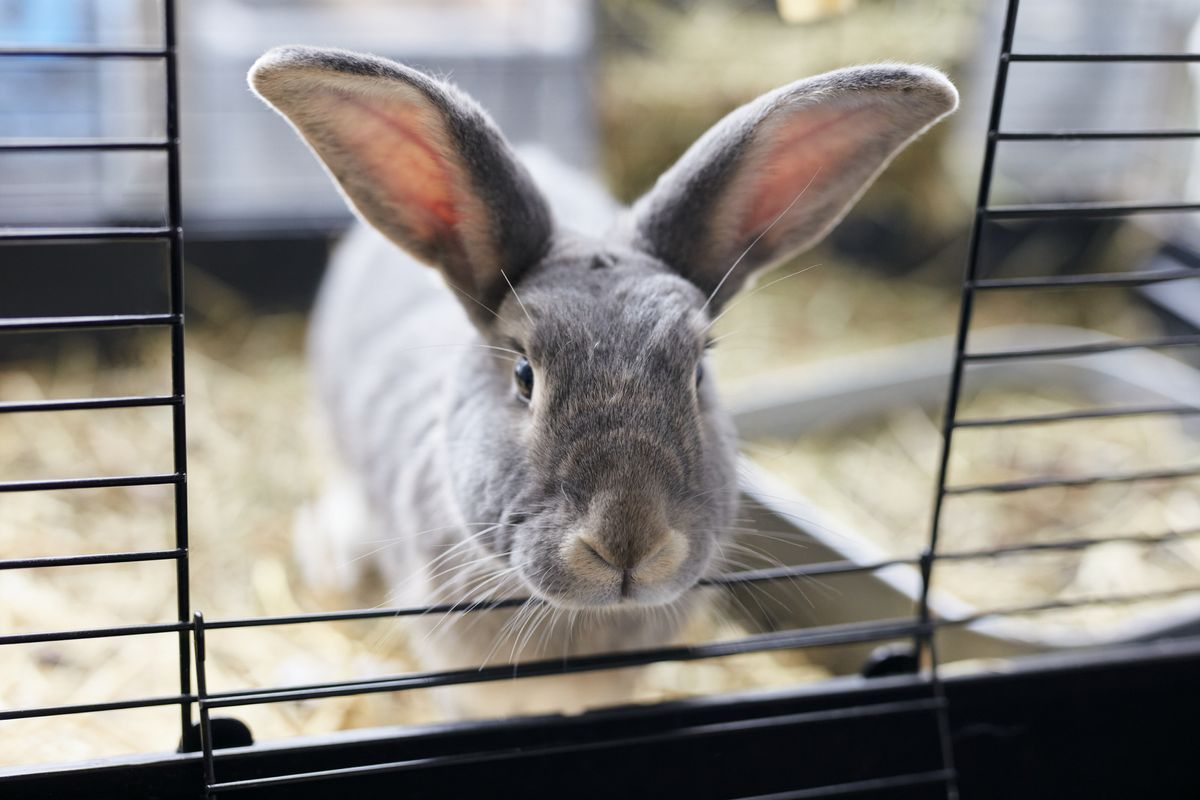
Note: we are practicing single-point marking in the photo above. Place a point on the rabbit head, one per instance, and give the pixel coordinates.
(587, 425)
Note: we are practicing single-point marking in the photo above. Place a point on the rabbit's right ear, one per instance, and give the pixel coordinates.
(418, 160)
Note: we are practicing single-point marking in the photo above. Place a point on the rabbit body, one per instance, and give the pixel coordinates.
(537, 421)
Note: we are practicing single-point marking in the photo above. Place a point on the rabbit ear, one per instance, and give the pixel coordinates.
(417, 159)
(777, 174)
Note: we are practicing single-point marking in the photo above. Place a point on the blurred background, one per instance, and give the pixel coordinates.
(618, 88)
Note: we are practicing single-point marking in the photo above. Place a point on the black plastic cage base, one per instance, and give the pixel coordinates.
(1117, 723)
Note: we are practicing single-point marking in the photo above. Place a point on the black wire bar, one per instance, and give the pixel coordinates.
(822, 636)
(87, 51)
(731, 579)
(93, 322)
(91, 708)
(1029, 484)
(144, 629)
(1083, 543)
(1096, 280)
(41, 562)
(741, 577)
(1064, 605)
(91, 483)
(689, 733)
(1104, 136)
(183, 601)
(924, 641)
(828, 635)
(1079, 210)
(171, 233)
(1073, 416)
(81, 145)
(800, 638)
(161, 233)
(985, 213)
(88, 403)
(1100, 58)
(1092, 348)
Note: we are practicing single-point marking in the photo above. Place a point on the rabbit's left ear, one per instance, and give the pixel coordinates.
(775, 175)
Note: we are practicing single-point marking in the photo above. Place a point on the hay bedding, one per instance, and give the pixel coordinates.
(254, 459)
(876, 478)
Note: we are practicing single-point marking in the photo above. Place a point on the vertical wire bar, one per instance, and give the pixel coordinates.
(206, 742)
(926, 637)
(179, 420)
(966, 306)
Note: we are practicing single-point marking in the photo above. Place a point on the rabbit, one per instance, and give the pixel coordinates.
(521, 400)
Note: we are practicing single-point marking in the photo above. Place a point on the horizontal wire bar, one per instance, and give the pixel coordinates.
(176, 699)
(81, 51)
(32, 324)
(1053, 136)
(1107, 346)
(90, 483)
(461, 607)
(473, 607)
(674, 735)
(730, 579)
(858, 787)
(1006, 487)
(87, 403)
(65, 234)
(1071, 416)
(802, 571)
(1070, 210)
(88, 708)
(1062, 605)
(1099, 279)
(1068, 544)
(1104, 57)
(76, 145)
(95, 633)
(94, 558)
(777, 640)
(781, 640)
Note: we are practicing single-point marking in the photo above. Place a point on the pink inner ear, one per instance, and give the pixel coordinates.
(392, 144)
(804, 155)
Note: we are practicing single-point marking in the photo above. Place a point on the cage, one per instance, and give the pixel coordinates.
(1106, 715)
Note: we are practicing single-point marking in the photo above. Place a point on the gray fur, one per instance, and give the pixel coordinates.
(614, 489)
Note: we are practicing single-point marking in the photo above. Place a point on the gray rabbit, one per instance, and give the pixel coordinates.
(538, 420)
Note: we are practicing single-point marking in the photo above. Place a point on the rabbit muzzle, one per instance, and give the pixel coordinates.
(625, 550)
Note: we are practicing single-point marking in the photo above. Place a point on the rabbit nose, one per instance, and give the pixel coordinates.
(624, 559)
(646, 559)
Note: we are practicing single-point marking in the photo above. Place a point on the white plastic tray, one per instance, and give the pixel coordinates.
(837, 392)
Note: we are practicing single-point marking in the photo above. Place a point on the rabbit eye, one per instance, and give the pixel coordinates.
(523, 376)
(699, 374)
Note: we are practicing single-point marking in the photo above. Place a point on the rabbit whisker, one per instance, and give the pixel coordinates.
(765, 230)
(517, 296)
(755, 291)
(458, 610)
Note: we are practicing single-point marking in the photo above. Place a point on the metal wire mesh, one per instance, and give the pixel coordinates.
(172, 235)
(922, 626)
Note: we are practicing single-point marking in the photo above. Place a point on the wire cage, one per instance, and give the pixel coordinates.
(1094, 722)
